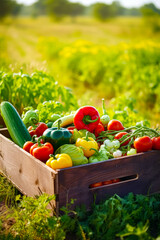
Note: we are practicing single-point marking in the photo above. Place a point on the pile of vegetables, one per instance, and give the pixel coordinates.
(83, 137)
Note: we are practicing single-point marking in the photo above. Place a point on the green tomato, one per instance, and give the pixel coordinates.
(54, 117)
(105, 120)
(132, 151)
(116, 144)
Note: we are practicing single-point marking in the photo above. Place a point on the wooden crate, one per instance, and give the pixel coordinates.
(139, 174)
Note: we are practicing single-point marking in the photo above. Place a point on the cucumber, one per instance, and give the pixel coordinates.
(14, 124)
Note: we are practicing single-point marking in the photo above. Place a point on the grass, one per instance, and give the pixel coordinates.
(22, 36)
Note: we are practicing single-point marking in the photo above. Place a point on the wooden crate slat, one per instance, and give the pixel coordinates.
(32, 177)
(28, 174)
(74, 182)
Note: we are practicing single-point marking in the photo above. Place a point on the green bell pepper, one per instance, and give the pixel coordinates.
(30, 118)
(57, 136)
(98, 156)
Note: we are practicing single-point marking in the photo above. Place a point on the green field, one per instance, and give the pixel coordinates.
(96, 60)
(78, 62)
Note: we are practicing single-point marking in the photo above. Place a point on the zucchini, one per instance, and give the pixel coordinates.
(14, 124)
(65, 121)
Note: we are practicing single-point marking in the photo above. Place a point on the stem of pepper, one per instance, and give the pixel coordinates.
(96, 151)
(34, 138)
(33, 122)
(87, 136)
(59, 124)
(87, 119)
(103, 107)
(39, 141)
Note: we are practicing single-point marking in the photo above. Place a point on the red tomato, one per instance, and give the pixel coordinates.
(27, 146)
(156, 143)
(32, 132)
(119, 135)
(71, 128)
(98, 184)
(115, 125)
(116, 180)
(107, 182)
(98, 129)
(143, 144)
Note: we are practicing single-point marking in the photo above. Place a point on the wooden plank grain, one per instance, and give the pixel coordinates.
(27, 173)
(74, 182)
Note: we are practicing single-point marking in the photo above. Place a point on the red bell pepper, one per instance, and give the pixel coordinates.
(42, 151)
(37, 129)
(86, 117)
(27, 146)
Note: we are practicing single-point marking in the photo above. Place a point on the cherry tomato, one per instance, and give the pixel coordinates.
(156, 143)
(71, 128)
(116, 180)
(121, 134)
(107, 182)
(143, 144)
(98, 184)
(32, 131)
(115, 125)
(27, 146)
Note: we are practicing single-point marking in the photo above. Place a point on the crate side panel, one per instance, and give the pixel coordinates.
(2, 124)
(28, 174)
(4, 132)
(74, 182)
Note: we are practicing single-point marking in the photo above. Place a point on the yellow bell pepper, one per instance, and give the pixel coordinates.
(60, 161)
(87, 143)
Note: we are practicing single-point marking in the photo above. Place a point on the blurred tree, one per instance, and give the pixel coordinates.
(39, 8)
(103, 11)
(9, 7)
(150, 8)
(76, 9)
(16, 9)
(151, 16)
(57, 8)
(5, 8)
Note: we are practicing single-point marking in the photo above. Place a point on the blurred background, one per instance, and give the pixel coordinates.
(108, 49)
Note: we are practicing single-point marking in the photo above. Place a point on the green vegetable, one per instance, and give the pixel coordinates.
(54, 117)
(111, 146)
(57, 136)
(143, 123)
(76, 154)
(30, 118)
(49, 124)
(14, 123)
(105, 118)
(98, 156)
(132, 151)
(105, 152)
